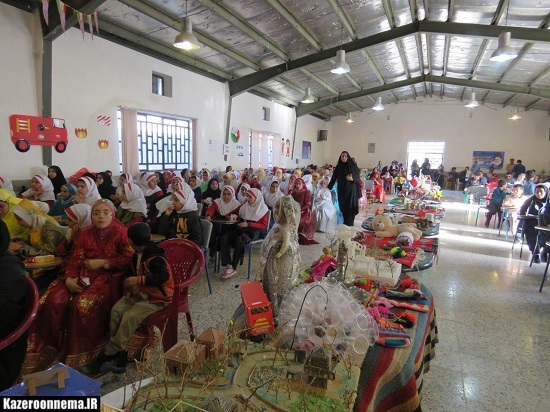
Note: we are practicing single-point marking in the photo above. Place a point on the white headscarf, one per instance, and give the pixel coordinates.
(257, 210)
(307, 180)
(47, 187)
(136, 200)
(5, 183)
(32, 216)
(225, 208)
(240, 197)
(188, 201)
(177, 179)
(271, 198)
(147, 191)
(81, 214)
(129, 179)
(42, 206)
(93, 193)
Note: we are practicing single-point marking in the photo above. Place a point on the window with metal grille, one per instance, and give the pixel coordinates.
(434, 151)
(163, 142)
(260, 149)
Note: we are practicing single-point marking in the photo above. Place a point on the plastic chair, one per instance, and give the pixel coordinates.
(505, 219)
(476, 193)
(187, 262)
(206, 234)
(519, 231)
(545, 270)
(30, 313)
(199, 208)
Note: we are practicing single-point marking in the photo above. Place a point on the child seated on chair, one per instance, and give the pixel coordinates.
(148, 289)
(514, 203)
(253, 218)
(494, 205)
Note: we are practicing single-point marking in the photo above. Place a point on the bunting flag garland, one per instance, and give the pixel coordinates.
(62, 8)
(45, 10)
(80, 17)
(90, 24)
(96, 23)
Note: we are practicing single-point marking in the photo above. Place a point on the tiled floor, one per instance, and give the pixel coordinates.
(494, 334)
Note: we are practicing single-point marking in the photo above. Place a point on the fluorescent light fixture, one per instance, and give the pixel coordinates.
(341, 65)
(514, 115)
(186, 39)
(378, 106)
(472, 102)
(308, 98)
(348, 118)
(504, 51)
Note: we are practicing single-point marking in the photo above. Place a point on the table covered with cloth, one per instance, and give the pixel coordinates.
(391, 378)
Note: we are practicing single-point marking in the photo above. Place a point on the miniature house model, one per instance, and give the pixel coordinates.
(318, 368)
(214, 340)
(184, 356)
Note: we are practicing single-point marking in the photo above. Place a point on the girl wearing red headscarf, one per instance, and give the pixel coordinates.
(378, 189)
(72, 323)
(306, 228)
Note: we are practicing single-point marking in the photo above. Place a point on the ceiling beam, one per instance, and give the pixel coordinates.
(182, 59)
(242, 84)
(398, 43)
(446, 54)
(509, 101)
(460, 29)
(356, 106)
(530, 106)
(54, 30)
(27, 6)
(240, 23)
(541, 76)
(202, 37)
(306, 109)
(533, 91)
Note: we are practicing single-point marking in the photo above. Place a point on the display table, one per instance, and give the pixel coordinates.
(32, 267)
(391, 378)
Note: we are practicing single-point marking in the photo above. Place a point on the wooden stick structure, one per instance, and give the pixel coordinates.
(33, 380)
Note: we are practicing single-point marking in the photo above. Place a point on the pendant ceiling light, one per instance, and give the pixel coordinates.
(472, 102)
(378, 106)
(514, 115)
(341, 65)
(186, 40)
(348, 118)
(308, 98)
(504, 51)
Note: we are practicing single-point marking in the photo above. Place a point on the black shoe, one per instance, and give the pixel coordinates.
(116, 363)
(537, 259)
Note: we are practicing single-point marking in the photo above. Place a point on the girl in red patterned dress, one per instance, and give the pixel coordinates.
(72, 323)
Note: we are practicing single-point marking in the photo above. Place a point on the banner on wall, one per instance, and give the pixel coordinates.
(306, 150)
(488, 159)
(226, 150)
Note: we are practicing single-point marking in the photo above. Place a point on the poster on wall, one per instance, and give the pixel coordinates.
(306, 150)
(226, 150)
(288, 148)
(488, 159)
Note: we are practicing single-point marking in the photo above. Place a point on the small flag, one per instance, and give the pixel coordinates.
(103, 120)
(62, 8)
(45, 10)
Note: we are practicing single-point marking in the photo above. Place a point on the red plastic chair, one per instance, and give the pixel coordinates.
(187, 262)
(30, 313)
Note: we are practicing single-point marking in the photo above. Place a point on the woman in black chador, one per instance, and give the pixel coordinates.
(349, 192)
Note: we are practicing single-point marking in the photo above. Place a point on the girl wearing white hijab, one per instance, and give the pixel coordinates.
(41, 189)
(224, 206)
(78, 217)
(307, 180)
(181, 219)
(175, 185)
(272, 194)
(133, 208)
(6, 184)
(87, 191)
(241, 196)
(253, 216)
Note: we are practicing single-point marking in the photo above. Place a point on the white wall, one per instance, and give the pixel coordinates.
(20, 85)
(308, 130)
(433, 120)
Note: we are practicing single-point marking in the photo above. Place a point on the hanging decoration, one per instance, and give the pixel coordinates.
(103, 144)
(104, 120)
(80, 17)
(235, 134)
(81, 133)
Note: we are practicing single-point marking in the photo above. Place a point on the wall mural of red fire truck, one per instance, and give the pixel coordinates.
(28, 130)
